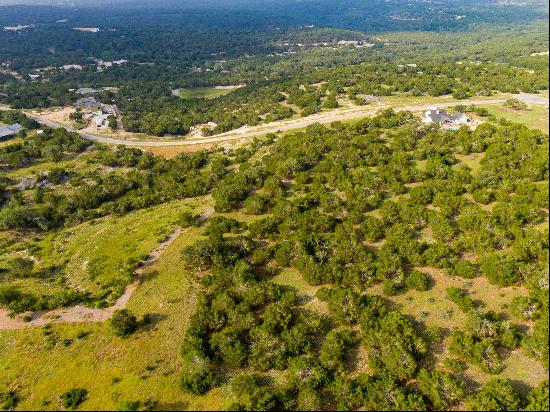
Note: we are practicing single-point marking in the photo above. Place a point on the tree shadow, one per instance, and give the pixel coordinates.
(149, 275)
(471, 384)
(521, 387)
(150, 320)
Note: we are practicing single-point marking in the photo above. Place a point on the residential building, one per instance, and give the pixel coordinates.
(88, 103)
(10, 130)
(441, 116)
(86, 90)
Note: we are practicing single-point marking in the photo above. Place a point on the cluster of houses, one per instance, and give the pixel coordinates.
(355, 43)
(445, 118)
(99, 64)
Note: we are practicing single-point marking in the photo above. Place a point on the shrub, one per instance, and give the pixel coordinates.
(129, 405)
(464, 302)
(123, 322)
(188, 219)
(8, 400)
(525, 308)
(464, 269)
(390, 288)
(496, 395)
(417, 280)
(537, 399)
(500, 270)
(74, 397)
(255, 205)
(455, 365)
(20, 267)
(441, 388)
(481, 352)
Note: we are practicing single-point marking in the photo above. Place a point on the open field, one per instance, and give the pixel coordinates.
(141, 367)
(402, 99)
(536, 117)
(85, 252)
(204, 92)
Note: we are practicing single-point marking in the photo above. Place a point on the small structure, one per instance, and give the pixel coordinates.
(72, 66)
(19, 27)
(87, 29)
(88, 103)
(9, 131)
(86, 90)
(443, 117)
(101, 118)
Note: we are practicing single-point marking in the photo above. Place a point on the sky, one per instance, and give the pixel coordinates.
(124, 2)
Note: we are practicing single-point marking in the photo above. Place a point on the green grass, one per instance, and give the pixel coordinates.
(291, 278)
(99, 254)
(471, 160)
(536, 117)
(113, 369)
(404, 99)
(203, 93)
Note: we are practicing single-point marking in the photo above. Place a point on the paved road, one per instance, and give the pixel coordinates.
(327, 117)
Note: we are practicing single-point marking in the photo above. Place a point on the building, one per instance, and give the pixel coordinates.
(87, 29)
(72, 66)
(9, 131)
(88, 103)
(101, 118)
(86, 90)
(19, 27)
(443, 117)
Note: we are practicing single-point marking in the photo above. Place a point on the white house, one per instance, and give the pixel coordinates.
(101, 119)
(443, 117)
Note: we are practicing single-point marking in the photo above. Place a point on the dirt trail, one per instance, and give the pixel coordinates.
(77, 314)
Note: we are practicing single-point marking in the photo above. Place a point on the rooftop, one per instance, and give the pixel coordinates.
(10, 130)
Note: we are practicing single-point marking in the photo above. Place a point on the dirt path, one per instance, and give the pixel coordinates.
(284, 125)
(77, 314)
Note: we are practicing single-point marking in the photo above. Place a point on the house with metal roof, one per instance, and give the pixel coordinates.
(86, 90)
(441, 116)
(88, 103)
(9, 131)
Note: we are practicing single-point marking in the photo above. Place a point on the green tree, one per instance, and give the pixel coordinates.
(497, 395)
(73, 398)
(441, 388)
(537, 399)
(123, 322)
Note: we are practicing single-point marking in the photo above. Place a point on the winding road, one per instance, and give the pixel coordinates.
(284, 125)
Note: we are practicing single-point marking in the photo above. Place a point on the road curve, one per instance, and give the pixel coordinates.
(285, 125)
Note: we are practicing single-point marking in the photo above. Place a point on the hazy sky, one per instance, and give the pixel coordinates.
(127, 2)
(117, 2)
